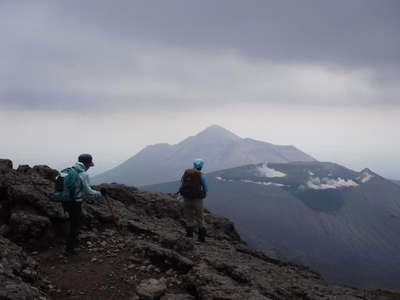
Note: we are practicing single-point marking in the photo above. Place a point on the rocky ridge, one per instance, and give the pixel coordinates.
(146, 257)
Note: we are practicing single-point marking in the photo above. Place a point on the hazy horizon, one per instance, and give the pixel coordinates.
(111, 78)
(102, 166)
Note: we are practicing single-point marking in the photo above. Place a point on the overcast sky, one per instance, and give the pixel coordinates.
(110, 77)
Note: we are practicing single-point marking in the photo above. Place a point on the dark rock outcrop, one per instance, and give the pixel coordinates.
(6, 166)
(155, 257)
(28, 227)
(18, 273)
(40, 170)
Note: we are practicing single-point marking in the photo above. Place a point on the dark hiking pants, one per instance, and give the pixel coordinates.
(74, 210)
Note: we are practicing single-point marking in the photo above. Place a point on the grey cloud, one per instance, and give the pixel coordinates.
(107, 55)
(357, 32)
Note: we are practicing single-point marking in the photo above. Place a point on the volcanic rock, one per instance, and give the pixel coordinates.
(151, 289)
(147, 250)
(6, 165)
(17, 272)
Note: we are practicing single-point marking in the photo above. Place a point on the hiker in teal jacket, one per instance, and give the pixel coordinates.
(194, 189)
(83, 185)
(74, 207)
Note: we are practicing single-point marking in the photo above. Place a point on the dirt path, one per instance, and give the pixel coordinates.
(104, 269)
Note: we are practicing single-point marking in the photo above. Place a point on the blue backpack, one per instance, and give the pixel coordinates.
(65, 188)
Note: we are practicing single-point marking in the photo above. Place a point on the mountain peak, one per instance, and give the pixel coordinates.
(220, 147)
(367, 170)
(216, 131)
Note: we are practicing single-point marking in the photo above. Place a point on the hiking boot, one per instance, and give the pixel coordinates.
(202, 235)
(189, 232)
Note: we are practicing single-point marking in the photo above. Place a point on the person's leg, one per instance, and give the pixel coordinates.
(74, 210)
(199, 218)
(76, 222)
(189, 217)
(68, 238)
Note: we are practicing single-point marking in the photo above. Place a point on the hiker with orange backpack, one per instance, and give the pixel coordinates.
(71, 187)
(194, 189)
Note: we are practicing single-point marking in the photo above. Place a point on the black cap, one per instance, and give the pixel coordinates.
(86, 159)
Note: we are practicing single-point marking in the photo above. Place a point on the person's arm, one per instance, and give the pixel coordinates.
(204, 183)
(86, 189)
(180, 186)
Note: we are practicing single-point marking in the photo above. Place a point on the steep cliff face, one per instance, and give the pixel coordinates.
(308, 209)
(147, 257)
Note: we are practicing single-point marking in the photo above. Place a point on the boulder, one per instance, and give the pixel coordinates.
(26, 226)
(39, 170)
(164, 258)
(33, 193)
(151, 289)
(6, 166)
(24, 169)
(46, 172)
(210, 284)
(177, 243)
(17, 273)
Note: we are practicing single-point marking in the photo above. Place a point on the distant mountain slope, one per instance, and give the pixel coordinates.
(396, 182)
(343, 223)
(219, 147)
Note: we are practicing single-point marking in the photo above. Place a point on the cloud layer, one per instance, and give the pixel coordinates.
(146, 55)
(115, 76)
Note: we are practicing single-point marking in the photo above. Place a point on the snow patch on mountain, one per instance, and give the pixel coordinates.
(223, 179)
(325, 183)
(262, 182)
(250, 181)
(266, 171)
(365, 177)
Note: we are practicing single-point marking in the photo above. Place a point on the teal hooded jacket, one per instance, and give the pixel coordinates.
(83, 185)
